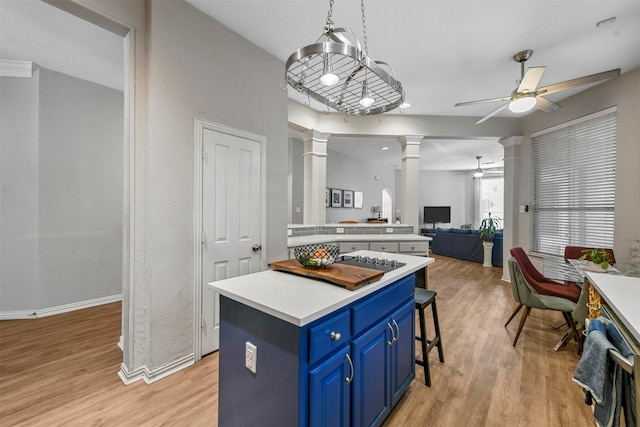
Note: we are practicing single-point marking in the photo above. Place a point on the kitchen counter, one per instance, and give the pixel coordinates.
(295, 351)
(622, 295)
(300, 300)
(337, 238)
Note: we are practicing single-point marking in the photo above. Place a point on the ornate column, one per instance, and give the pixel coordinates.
(315, 176)
(410, 180)
(511, 184)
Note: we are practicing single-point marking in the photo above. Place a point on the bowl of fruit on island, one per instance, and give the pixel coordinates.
(317, 255)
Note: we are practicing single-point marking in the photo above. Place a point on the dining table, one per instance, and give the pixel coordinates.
(575, 271)
(572, 270)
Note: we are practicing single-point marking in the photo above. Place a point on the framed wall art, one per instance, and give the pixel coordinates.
(327, 198)
(347, 199)
(358, 199)
(336, 198)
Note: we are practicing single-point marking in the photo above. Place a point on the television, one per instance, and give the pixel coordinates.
(436, 214)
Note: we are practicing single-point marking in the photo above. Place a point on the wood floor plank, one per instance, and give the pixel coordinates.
(62, 370)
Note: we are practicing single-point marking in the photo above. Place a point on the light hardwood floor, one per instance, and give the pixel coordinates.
(62, 370)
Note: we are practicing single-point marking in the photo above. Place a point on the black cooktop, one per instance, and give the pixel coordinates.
(379, 264)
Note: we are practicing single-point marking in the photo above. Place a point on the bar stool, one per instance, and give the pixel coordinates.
(424, 298)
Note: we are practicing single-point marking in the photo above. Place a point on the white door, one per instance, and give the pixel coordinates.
(231, 219)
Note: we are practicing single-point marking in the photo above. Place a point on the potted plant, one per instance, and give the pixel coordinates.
(488, 228)
(598, 256)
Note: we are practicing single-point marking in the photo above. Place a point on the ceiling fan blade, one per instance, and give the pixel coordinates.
(545, 105)
(482, 101)
(493, 113)
(530, 80)
(570, 84)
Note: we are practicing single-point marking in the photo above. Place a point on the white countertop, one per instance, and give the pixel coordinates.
(329, 238)
(300, 300)
(622, 294)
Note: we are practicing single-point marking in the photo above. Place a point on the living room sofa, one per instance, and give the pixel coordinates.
(466, 244)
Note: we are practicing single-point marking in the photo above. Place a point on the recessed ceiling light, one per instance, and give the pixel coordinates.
(405, 105)
(384, 148)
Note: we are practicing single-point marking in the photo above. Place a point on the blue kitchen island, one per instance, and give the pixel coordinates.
(322, 355)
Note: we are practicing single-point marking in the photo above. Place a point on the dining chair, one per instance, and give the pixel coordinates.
(542, 285)
(527, 296)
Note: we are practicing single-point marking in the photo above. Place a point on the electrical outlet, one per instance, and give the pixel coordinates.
(390, 230)
(251, 357)
(339, 230)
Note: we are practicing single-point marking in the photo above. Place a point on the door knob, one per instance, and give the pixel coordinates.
(256, 248)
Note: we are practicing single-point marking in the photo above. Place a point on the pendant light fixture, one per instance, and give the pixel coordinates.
(366, 99)
(337, 72)
(328, 77)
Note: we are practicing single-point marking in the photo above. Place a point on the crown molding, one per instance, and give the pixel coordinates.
(22, 69)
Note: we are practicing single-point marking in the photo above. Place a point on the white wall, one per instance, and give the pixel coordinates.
(19, 193)
(444, 188)
(296, 153)
(199, 68)
(65, 205)
(350, 173)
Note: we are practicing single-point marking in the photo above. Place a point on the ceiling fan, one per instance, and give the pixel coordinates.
(527, 95)
(479, 172)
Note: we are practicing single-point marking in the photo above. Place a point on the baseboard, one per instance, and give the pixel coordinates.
(44, 312)
(157, 374)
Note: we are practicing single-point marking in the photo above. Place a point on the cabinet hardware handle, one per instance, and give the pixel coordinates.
(383, 248)
(397, 336)
(350, 377)
(413, 247)
(393, 335)
(336, 336)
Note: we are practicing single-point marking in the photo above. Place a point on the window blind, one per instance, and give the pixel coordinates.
(574, 184)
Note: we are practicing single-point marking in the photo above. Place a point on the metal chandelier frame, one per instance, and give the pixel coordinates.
(358, 74)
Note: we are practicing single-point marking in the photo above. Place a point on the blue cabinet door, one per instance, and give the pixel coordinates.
(403, 351)
(370, 387)
(330, 400)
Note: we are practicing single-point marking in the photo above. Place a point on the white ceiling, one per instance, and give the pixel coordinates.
(443, 51)
(31, 30)
(450, 51)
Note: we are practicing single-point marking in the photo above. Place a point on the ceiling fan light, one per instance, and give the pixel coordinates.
(522, 104)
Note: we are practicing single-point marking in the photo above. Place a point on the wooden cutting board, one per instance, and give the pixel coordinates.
(349, 276)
